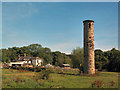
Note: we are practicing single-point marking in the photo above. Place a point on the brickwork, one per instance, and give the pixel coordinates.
(89, 62)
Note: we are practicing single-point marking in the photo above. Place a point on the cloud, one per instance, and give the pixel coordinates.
(104, 47)
(65, 47)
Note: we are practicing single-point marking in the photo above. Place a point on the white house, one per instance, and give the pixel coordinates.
(36, 61)
(26, 60)
(19, 63)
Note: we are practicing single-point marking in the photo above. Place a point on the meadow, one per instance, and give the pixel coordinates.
(27, 79)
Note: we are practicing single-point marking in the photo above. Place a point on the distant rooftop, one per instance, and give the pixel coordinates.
(66, 65)
(88, 21)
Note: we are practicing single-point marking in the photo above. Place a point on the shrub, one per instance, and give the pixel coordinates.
(20, 68)
(97, 73)
(97, 83)
(18, 79)
(81, 73)
(58, 70)
(37, 69)
(36, 79)
(112, 83)
(11, 70)
(44, 74)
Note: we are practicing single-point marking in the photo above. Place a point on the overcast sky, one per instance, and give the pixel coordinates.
(58, 25)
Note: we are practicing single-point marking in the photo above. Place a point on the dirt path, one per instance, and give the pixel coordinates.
(18, 74)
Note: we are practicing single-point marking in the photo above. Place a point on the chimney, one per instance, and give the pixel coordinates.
(18, 57)
(24, 54)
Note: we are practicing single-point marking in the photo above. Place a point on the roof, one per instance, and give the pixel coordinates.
(66, 65)
(26, 58)
(88, 21)
(34, 58)
(19, 62)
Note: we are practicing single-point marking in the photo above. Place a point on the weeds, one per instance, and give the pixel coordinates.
(36, 79)
(56, 86)
(44, 74)
(58, 70)
(18, 79)
(112, 83)
(65, 80)
(63, 74)
(97, 83)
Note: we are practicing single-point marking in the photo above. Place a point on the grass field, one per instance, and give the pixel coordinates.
(17, 79)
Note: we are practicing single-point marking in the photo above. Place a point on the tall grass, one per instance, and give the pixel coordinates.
(55, 80)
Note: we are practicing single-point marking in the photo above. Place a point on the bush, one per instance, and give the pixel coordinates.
(97, 83)
(37, 69)
(112, 83)
(18, 79)
(58, 70)
(44, 74)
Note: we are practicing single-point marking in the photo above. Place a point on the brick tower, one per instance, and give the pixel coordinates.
(89, 62)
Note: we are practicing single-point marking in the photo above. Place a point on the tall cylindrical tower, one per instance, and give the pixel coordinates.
(89, 62)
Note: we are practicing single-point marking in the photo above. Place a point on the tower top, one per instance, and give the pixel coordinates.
(88, 21)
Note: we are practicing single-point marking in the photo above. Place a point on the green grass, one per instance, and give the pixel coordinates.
(56, 80)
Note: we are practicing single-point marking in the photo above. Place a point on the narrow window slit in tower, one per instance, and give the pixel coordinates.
(90, 45)
(90, 41)
(89, 25)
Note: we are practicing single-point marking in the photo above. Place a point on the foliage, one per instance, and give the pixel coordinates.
(37, 69)
(100, 59)
(33, 69)
(77, 57)
(109, 60)
(114, 60)
(60, 58)
(97, 83)
(35, 50)
(44, 74)
(57, 70)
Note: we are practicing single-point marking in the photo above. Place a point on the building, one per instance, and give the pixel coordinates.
(17, 63)
(89, 62)
(36, 61)
(49, 66)
(66, 66)
(26, 61)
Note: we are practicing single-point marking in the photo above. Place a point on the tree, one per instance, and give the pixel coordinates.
(114, 60)
(77, 57)
(48, 58)
(0, 55)
(67, 60)
(34, 47)
(100, 60)
(109, 60)
(60, 58)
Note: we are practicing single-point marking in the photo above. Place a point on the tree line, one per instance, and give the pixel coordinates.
(35, 50)
(104, 60)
